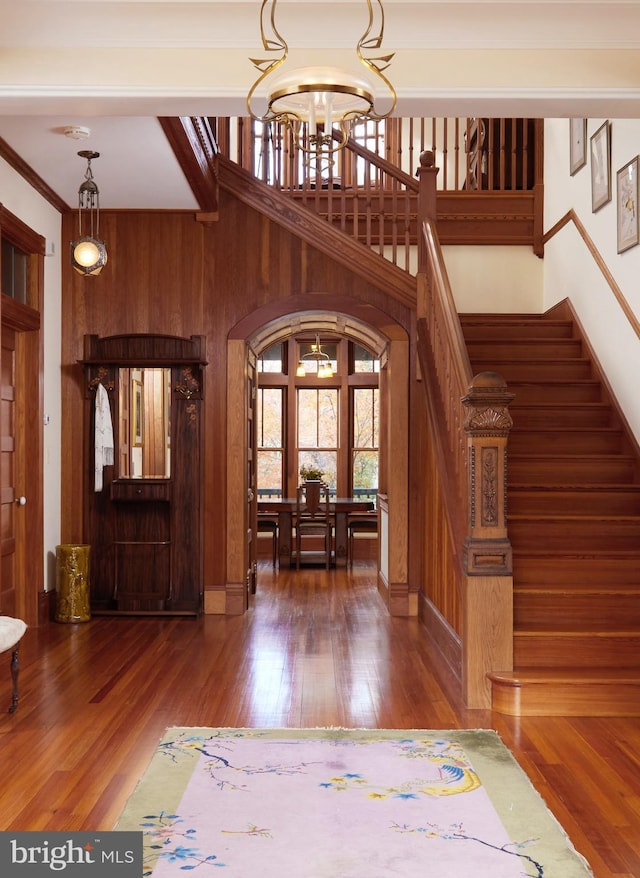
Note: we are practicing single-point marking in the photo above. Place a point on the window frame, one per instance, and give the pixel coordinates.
(344, 380)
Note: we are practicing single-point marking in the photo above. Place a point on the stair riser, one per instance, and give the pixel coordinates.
(576, 612)
(555, 650)
(572, 471)
(515, 328)
(573, 536)
(524, 350)
(512, 370)
(603, 503)
(569, 699)
(566, 417)
(565, 571)
(566, 442)
(557, 392)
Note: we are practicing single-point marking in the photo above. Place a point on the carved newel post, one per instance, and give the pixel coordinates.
(487, 425)
(487, 609)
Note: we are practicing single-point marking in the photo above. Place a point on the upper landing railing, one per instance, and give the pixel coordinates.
(371, 191)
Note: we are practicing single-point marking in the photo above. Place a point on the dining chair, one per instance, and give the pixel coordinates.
(366, 523)
(267, 524)
(313, 518)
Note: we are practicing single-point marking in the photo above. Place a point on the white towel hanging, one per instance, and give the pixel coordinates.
(103, 435)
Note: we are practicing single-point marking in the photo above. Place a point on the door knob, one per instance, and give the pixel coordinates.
(20, 501)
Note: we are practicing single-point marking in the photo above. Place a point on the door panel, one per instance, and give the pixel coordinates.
(8, 506)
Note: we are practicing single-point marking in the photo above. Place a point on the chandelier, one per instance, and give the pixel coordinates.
(320, 105)
(321, 361)
(88, 253)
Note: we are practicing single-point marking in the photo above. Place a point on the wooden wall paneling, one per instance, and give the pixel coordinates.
(182, 279)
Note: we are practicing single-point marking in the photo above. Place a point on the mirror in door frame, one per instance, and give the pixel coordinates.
(144, 423)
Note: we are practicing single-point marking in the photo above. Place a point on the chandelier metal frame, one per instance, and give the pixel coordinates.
(308, 101)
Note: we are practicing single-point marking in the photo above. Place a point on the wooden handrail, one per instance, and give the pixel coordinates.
(447, 375)
(571, 216)
(382, 164)
(439, 281)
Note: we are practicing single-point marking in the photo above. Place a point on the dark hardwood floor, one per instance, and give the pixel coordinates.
(317, 648)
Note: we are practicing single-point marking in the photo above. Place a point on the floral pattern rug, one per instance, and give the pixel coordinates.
(341, 803)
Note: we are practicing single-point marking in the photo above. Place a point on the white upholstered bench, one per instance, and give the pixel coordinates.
(11, 631)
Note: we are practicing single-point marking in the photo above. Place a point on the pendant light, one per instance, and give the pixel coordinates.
(88, 252)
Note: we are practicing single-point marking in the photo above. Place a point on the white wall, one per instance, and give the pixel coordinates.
(571, 272)
(495, 279)
(23, 201)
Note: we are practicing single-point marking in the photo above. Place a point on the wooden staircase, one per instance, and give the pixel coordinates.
(573, 514)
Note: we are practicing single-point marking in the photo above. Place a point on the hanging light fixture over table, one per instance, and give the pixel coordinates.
(88, 252)
(315, 102)
(316, 355)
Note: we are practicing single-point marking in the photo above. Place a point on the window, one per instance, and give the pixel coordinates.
(364, 450)
(270, 441)
(364, 360)
(331, 424)
(272, 360)
(318, 423)
(14, 271)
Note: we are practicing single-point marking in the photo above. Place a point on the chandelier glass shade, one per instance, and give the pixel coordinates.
(319, 105)
(88, 252)
(321, 361)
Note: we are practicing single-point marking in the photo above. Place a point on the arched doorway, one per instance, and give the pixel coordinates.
(389, 341)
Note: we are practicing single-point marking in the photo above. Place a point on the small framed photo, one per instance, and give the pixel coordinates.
(577, 144)
(627, 202)
(601, 167)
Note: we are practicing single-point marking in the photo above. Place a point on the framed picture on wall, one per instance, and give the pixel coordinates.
(601, 167)
(577, 144)
(627, 205)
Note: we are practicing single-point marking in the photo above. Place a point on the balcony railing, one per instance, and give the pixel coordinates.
(371, 191)
(473, 154)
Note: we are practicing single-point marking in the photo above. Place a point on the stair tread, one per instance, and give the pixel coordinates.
(578, 675)
(595, 456)
(549, 381)
(580, 488)
(568, 516)
(571, 634)
(592, 554)
(580, 590)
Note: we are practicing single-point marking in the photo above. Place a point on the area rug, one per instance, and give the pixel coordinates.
(344, 803)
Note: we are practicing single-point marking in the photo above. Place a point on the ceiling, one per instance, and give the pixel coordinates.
(115, 67)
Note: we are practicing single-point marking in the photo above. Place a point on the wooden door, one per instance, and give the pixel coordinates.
(8, 507)
(20, 487)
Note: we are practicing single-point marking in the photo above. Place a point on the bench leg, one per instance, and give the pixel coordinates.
(14, 679)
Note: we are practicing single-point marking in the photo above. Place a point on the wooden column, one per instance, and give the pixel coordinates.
(487, 612)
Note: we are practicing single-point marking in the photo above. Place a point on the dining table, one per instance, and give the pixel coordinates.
(283, 508)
